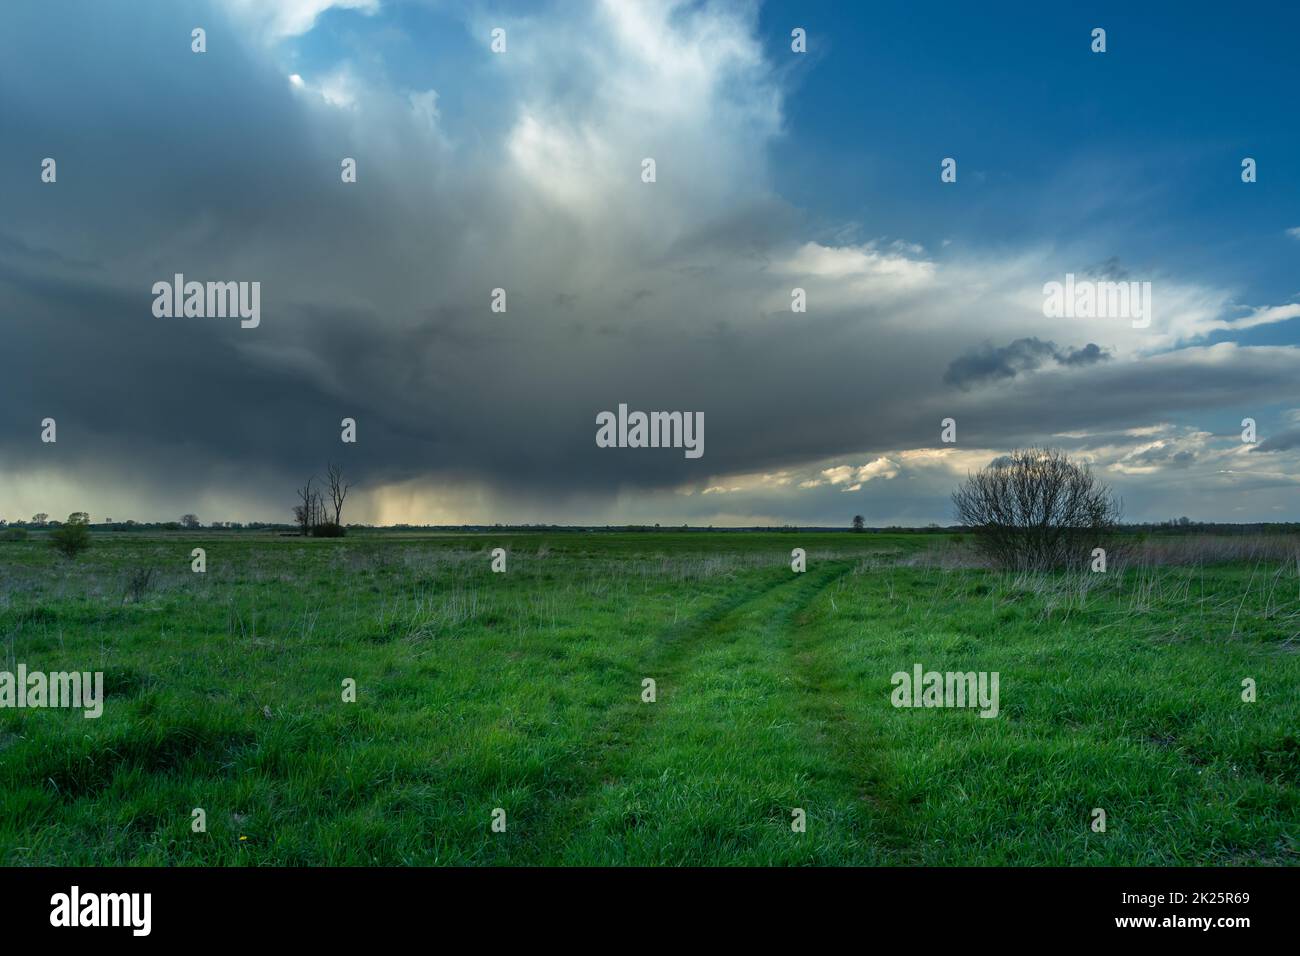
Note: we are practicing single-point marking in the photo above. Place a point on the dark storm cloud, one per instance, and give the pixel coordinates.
(1163, 455)
(1115, 395)
(1088, 355)
(1023, 355)
(375, 295)
(1283, 441)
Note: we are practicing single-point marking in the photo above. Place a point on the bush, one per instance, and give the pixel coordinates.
(327, 529)
(1035, 509)
(14, 534)
(72, 538)
(137, 583)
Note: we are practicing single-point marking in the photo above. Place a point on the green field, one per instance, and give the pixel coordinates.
(523, 691)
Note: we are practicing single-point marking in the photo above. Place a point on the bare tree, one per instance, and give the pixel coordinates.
(190, 521)
(1035, 509)
(305, 513)
(338, 491)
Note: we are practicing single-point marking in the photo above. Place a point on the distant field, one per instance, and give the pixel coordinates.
(522, 691)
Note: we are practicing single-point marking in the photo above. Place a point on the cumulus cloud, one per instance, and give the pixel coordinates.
(853, 478)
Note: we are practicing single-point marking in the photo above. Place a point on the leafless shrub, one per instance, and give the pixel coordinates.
(1035, 509)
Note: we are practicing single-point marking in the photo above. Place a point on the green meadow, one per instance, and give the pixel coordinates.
(523, 691)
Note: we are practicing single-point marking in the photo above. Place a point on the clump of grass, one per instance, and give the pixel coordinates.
(1216, 549)
(137, 583)
(1123, 552)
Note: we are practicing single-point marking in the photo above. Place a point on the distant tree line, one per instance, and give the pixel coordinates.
(1188, 526)
(132, 525)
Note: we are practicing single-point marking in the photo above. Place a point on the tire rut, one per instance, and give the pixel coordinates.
(822, 703)
(629, 723)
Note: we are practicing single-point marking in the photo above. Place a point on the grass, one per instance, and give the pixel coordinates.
(523, 691)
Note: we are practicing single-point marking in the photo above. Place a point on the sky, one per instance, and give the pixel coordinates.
(523, 169)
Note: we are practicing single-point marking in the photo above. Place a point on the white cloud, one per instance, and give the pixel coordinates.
(838, 475)
(425, 106)
(842, 474)
(685, 85)
(863, 268)
(339, 89)
(277, 19)
(1263, 315)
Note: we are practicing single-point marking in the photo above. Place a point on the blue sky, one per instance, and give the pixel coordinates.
(521, 170)
(1138, 149)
